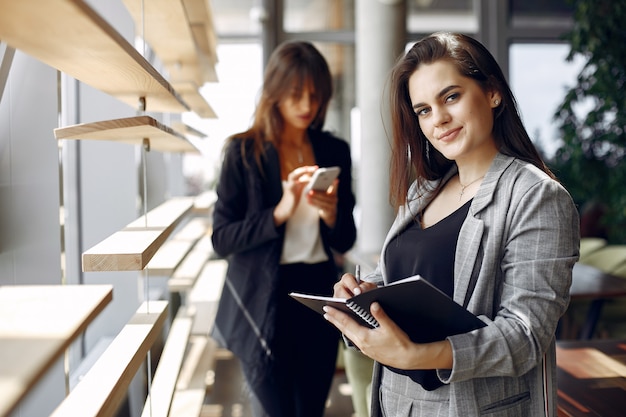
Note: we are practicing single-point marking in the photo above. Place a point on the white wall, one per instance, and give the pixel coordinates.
(30, 238)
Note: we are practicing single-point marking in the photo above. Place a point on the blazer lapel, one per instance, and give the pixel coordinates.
(468, 259)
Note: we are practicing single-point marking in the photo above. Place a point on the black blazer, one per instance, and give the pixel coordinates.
(245, 234)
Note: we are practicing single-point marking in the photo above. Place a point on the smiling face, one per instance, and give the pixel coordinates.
(454, 113)
(299, 107)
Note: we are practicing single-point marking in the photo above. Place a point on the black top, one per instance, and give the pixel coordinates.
(430, 253)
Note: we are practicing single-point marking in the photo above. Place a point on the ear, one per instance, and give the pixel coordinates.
(495, 99)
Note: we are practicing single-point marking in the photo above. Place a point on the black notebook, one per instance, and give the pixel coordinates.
(424, 312)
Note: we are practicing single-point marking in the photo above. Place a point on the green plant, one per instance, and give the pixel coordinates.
(592, 117)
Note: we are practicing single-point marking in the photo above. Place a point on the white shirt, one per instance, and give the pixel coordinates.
(303, 242)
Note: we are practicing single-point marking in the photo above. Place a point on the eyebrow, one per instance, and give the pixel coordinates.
(441, 94)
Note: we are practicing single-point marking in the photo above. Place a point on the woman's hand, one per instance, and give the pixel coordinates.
(296, 181)
(348, 286)
(387, 344)
(326, 203)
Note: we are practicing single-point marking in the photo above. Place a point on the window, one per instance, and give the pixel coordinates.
(539, 78)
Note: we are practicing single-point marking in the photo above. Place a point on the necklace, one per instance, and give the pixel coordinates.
(290, 153)
(463, 187)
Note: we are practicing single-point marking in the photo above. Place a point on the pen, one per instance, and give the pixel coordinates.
(357, 274)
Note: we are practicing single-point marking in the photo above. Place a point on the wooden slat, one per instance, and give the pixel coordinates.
(132, 130)
(204, 202)
(163, 24)
(206, 293)
(191, 94)
(159, 398)
(101, 391)
(193, 230)
(192, 385)
(174, 250)
(169, 256)
(200, 17)
(185, 276)
(71, 37)
(37, 324)
(132, 248)
(188, 130)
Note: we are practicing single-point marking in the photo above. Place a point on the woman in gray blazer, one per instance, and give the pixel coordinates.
(480, 216)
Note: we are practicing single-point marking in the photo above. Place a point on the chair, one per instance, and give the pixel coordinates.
(620, 271)
(589, 245)
(611, 259)
(607, 258)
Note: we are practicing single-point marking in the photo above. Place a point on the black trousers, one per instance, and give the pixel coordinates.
(305, 348)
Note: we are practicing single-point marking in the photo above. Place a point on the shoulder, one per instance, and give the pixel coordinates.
(327, 139)
(236, 145)
(241, 147)
(520, 175)
(521, 180)
(511, 182)
(330, 150)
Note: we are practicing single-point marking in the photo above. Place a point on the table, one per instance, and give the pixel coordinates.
(590, 283)
(591, 378)
(37, 324)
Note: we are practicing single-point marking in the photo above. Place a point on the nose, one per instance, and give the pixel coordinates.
(440, 115)
(305, 101)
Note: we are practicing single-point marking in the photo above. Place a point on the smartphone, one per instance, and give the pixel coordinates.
(322, 179)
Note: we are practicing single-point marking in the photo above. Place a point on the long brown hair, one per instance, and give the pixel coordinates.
(290, 66)
(411, 156)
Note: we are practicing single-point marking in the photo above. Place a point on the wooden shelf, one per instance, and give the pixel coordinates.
(200, 17)
(131, 248)
(103, 389)
(190, 92)
(203, 203)
(159, 399)
(131, 130)
(188, 130)
(177, 247)
(168, 29)
(37, 324)
(71, 37)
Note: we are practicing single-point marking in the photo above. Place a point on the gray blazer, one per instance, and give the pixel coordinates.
(513, 268)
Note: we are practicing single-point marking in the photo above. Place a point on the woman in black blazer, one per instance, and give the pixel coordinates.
(279, 238)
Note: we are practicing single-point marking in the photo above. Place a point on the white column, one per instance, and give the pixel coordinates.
(380, 38)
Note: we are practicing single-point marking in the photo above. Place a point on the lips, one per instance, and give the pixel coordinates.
(449, 135)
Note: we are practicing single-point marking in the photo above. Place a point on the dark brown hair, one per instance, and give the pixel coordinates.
(290, 66)
(410, 158)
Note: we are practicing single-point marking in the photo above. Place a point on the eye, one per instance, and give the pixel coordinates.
(422, 111)
(452, 97)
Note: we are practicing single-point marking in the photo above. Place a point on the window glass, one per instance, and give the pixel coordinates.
(540, 77)
(426, 16)
(233, 98)
(340, 59)
(541, 7)
(236, 17)
(318, 15)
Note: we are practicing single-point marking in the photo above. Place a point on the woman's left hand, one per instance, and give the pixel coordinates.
(326, 203)
(388, 344)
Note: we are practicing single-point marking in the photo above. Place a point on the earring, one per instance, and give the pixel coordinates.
(427, 151)
(496, 102)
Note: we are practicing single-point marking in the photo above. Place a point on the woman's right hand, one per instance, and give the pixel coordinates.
(296, 181)
(348, 287)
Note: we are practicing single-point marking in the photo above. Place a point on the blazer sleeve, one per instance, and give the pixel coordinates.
(341, 237)
(243, 213)
(530, 243)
